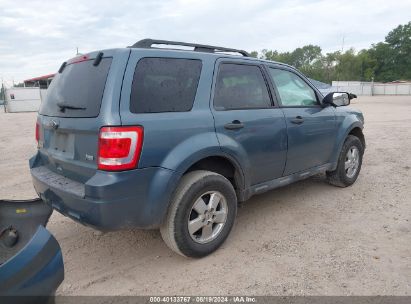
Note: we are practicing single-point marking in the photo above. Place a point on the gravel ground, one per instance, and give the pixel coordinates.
(308, 238)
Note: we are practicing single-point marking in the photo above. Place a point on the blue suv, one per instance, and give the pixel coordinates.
(170, 138)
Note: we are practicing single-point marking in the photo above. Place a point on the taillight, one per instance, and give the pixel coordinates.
(119, 148)
(37, 132)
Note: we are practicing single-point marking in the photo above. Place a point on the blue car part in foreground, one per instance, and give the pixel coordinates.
(31, 262)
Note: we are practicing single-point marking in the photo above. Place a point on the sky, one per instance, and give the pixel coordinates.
(37, 36)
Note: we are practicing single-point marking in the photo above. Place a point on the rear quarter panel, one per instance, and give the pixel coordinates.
(173, 140)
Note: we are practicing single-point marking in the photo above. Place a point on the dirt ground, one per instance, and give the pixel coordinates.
(308, 238)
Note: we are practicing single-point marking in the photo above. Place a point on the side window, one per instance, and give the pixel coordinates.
(240, 86)
(292, 89)
(164, 85)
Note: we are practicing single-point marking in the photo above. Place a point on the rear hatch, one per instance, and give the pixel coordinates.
(83, 97)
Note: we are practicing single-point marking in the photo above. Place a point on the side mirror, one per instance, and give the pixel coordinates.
(338, 99)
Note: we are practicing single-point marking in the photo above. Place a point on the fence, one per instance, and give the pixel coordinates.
(372, 88)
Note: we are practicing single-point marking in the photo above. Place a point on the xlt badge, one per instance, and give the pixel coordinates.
(89, 157)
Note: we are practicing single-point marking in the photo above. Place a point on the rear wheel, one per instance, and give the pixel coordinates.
(349, 163)
(201, 214)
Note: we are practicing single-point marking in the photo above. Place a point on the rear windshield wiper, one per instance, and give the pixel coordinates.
(63, 107)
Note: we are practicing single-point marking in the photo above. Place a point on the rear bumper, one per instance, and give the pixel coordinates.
(31, 263)
(37, 270)
(108, 200)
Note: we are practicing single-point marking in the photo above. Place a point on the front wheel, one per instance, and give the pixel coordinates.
(201, 214)
(349, 163)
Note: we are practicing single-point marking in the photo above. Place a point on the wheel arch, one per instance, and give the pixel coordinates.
(218, 162)
(357, 132)
(355, 129)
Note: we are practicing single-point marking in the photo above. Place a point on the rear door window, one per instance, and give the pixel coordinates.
(164, 85)
(240, 86)
(77, 91)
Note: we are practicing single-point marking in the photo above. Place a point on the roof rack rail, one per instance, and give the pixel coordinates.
(147, 44)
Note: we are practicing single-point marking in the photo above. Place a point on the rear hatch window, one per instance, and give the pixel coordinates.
(77, 91)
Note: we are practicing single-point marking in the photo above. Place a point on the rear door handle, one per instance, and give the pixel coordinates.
(234, 125)
(298, 120)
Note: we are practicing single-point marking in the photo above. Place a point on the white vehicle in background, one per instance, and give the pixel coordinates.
(20, 99)
(27, 98)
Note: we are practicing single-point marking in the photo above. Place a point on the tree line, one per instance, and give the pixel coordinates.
(385, 61)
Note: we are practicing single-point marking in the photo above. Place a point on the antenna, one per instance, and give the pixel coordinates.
(338, 71)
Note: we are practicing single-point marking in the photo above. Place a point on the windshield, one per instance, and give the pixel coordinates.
(77, 91)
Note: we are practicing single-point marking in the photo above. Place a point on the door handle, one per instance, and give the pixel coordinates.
(298, 120)
(234, 125)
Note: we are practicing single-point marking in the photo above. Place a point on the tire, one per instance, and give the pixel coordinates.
(341, 176)
(196, 188)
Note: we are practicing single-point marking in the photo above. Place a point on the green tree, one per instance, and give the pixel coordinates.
(384, 69)
(254, 54)
(399, 42)
(348, 66)
(304, 57)
(385, 61)
(368, 65)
